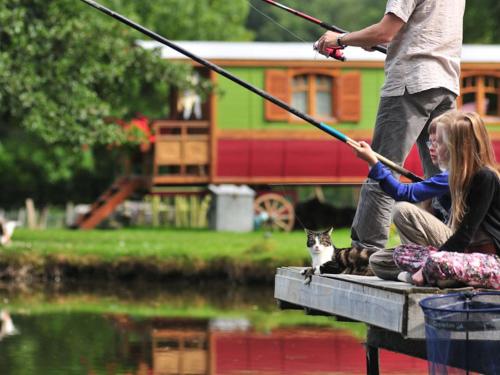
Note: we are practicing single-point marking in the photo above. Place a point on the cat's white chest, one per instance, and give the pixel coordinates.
(324, 255)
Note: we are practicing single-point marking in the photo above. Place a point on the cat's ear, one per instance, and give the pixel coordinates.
(307, 230)
(330, 231)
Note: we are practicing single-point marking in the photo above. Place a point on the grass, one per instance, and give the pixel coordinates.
(156, 253)
(167, 243)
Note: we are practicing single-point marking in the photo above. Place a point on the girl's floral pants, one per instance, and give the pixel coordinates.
(474, 269)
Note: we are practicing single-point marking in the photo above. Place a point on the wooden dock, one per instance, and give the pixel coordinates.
(391, 305)
(390, 308)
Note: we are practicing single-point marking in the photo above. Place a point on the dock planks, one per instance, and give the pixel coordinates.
(390, 305)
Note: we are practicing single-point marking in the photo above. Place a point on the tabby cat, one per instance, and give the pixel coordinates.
(328, 259)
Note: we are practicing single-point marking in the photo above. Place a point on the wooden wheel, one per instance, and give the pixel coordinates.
(275, 211)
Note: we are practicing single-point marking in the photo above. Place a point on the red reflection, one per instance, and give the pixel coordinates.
(310, 351)
(193, 347)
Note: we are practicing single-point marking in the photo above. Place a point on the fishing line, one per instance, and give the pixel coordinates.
(316, 53)
(276, 22)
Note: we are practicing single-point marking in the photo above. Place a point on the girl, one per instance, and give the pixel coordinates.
(414, 224)
(470, 255)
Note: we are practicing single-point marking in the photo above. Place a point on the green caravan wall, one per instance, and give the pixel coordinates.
(371, 82)
(238, 108)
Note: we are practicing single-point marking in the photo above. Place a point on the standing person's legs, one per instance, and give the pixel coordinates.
(400, 122)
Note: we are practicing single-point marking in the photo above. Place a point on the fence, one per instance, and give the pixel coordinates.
(153, 211)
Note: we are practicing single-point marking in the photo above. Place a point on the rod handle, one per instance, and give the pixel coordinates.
(389, 163)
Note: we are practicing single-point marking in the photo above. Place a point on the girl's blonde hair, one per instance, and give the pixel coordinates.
(470, 149)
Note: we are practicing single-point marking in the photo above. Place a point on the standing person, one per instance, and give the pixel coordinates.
(422, 71)
(470, 254)
(414, 224)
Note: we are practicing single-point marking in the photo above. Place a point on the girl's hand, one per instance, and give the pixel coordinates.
(365, 152)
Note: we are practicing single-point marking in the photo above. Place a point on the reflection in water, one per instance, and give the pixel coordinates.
(124, 343)
(7, 327)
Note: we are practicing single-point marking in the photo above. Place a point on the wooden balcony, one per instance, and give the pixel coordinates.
(182, 152)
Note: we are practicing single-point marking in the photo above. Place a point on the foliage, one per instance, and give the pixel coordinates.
(193, 20)
(66, 70)
(480, 20)
(346, 14)
(63, 70)
(55, 174)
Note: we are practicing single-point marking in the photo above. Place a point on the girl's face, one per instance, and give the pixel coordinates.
(442, 152)
(432, 148)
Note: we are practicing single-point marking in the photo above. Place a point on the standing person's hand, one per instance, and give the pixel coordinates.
(327, 40)
(365, 152)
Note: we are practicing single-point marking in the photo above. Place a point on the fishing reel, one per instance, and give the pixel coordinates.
(334, 52)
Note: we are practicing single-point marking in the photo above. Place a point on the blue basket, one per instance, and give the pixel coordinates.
(463, 332)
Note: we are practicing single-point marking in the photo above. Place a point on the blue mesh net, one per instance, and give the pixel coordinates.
(463, 333)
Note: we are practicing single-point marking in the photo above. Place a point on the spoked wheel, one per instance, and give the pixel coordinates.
(275, 212)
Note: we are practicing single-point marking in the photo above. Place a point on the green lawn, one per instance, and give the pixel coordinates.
(156, 253)
(167, 243)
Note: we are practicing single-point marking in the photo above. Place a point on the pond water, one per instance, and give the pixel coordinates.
(209, 328)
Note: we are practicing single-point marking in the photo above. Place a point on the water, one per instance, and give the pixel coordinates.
(177, 329)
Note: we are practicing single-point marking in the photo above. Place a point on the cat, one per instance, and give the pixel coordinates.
(326, 258)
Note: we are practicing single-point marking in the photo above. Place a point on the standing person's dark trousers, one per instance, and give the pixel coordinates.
(401, 121)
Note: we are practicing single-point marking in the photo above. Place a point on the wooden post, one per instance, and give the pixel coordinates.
(372, 365)
(318, 194)
(31, 213)
(70, 214)
(155, 211)
(44, 215)
(204, 207)
(193, 211)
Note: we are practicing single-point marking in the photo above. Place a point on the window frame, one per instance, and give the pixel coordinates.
(311, 92)
(480, 90)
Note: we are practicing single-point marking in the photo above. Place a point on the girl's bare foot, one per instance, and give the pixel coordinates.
(418, 278)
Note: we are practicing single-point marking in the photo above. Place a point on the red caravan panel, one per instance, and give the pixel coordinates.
(246, 158)
(351, 166)
(413, 163)
(311, 158)
(267, 158)
(496, 149)
(233, 158)
(287, 159)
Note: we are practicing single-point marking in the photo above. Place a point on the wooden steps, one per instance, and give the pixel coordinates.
(105, 205)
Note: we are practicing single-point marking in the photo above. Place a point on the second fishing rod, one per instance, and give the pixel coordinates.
(318, 22)
(320, 125)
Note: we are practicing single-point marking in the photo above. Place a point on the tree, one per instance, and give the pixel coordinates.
(481, 22)
(65, 69)
(195, 19)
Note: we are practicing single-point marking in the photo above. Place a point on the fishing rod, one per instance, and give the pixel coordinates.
(320, 125)
(324, 25)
